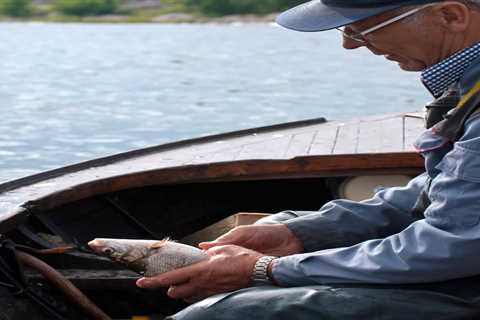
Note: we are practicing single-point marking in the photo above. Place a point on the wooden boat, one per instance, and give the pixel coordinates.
(179, 188)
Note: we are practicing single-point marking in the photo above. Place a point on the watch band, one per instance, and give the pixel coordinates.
(260, 270)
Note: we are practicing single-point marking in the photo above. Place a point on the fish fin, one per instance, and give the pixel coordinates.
(159, 244)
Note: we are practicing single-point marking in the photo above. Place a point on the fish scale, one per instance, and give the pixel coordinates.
(163, 262)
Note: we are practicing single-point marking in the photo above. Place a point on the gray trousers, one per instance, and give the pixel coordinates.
(450, 300)
(457, 299)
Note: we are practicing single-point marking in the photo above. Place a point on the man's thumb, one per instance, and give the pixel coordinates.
(207, 245)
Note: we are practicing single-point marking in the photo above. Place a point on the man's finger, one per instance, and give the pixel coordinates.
(207, 245)
(227, 238)
(160, 281)
(215, 243)
(184, 291)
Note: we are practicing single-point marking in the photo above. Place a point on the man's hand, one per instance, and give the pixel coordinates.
(229, 268)
(272, 239)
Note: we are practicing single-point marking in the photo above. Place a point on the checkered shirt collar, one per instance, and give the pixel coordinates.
(442, 75)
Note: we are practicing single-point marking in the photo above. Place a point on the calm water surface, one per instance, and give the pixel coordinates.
(72, 92)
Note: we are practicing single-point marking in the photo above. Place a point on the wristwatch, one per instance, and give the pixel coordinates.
(260, 270)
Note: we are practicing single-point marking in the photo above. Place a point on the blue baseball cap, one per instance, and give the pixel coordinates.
(320, 15)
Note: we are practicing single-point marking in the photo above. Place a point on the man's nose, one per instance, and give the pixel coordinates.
(350, 44)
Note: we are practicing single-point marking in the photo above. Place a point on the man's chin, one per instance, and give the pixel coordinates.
(406, 65)
(410, 67)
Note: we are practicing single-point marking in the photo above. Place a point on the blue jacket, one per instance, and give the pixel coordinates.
(380, 241)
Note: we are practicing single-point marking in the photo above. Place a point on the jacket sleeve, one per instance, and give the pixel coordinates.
(342, 223)
(440, 247)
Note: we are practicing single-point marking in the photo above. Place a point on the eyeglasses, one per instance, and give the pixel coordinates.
(360, 36)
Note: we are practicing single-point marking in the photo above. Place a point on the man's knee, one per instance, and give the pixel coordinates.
(242, 304)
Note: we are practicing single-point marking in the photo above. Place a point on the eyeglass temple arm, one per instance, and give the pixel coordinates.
(403, 15)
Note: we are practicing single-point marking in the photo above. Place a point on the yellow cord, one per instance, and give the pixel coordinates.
(469, 94)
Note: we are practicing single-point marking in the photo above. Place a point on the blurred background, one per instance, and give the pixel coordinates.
(82, 79)
(139, 10)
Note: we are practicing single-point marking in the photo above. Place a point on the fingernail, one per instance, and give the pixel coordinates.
(170, 291)
(203, 244)
(141, 282)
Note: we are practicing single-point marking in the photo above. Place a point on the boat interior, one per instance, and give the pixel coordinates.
(153, 212)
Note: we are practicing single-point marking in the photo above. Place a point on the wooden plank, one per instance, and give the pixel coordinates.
(324, 140)
(299, 144)
(219, 156)
(347, 138)
(384, 135)
(225, 156)
(220, 150)
(221, 145)
(271, 149)
(228, 143)
(370, 139)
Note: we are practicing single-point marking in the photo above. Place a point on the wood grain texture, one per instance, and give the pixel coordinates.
(347, 138)
(385, 135)
(323, 140)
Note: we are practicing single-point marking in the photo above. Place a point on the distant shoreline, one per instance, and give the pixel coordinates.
(163, 18)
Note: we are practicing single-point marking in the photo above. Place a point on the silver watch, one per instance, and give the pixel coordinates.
(260, 270)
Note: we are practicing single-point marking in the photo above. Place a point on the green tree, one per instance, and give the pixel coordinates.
(16, 8)
(86, 7)
(225, 7)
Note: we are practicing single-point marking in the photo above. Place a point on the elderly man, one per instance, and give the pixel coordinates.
(407, 253)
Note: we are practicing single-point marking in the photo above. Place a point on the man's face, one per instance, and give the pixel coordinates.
(412, 45)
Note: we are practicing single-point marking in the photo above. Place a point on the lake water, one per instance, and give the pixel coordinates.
(72, 92)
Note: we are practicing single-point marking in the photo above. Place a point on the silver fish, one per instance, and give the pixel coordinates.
(148, 257)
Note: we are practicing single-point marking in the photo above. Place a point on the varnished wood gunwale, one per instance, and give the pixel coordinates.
(300, 167)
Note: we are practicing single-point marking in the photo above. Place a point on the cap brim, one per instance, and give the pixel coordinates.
(315, 16)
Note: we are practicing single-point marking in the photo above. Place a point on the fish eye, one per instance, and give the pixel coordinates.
(108, 250)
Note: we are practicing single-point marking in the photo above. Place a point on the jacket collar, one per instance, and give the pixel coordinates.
(439, 77)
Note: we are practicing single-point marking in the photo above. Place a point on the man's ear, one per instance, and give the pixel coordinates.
(453, 16)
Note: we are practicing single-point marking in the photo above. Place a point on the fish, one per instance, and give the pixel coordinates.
(148, 257)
